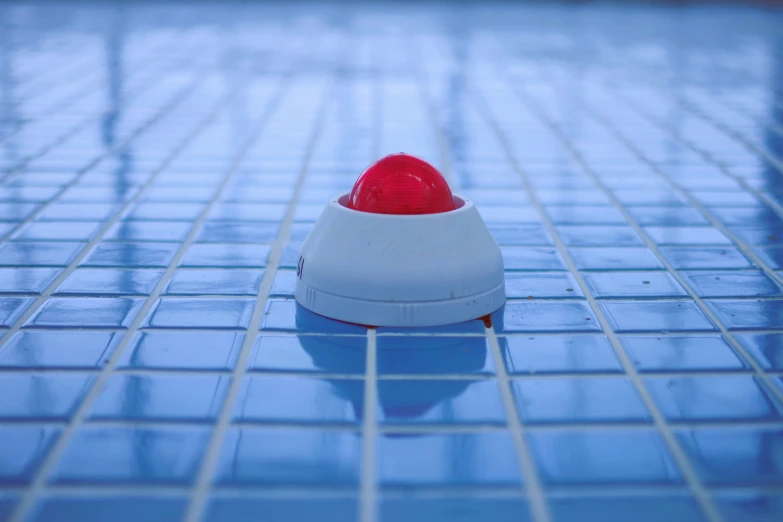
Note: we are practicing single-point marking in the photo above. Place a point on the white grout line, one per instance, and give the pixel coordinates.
(203, 484)
(368, 485)
(531, 482)
(678, 454)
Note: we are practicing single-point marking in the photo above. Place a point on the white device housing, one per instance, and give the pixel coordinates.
(400, 270)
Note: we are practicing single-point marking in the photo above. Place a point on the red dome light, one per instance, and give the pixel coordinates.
(401, 184)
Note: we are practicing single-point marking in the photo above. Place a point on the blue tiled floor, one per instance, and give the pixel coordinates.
(161, 164)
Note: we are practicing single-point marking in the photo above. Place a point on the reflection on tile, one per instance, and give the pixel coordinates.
(667, 216)
(132, 255)
(200, 313)
(244, 509)
(287, 315)
(614, 258)
(433, 355)
(238, 232)
(162, 350)
(633, 284)
(690, 258)
(766, 349)
(542, 285)
(28, 396)
(520, 235)
(530, 258)
(102, 281)
(196, 398)
(461, 508)
(149, 231)
(289, 457)
(309, 353)
(116, 509)
(284, 284)
(556, 354)
(602, 457)
(59, 231)
(226, 255)
(132, 456)
(215, 281)
(681, 354)
(26, 280)
(22, 450)
(59, 349)
(457, 459)
(607, 508)
(735, 283)
(542, 316)
(749, 315)
(735, 456)
(656, 316)
(755, 506)
(39, 253)
(686, 236)
(284, 399)
(585, 236)
(86, 312)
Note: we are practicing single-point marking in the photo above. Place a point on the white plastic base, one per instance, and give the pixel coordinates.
(389, 270)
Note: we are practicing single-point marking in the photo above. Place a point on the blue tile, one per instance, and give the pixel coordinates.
(667, 216)
(607, 508)
(289, 457)
(284, 284)
(7, 228)
(772, 256)
(167, 211)
(433, 355)
(299, 231)
(59, 231)
(228, 256)
(602, 457)
(309, 353)
(766, 349)
(749, 315)
(39, 253)
(508, 214)
(734, 456)
(287, 315)
(442, 401)
(238, 232)
(26, 280)
(530, 258)
(520, 235)
(106, 455)
(587, 236)
(149, 231)
(682, 354)
(243, 509)
(22, 450)
(200, 313)
(711, 198)
(117, 509)
(664, 199)
(79, 211)
(542, 316)
(248, 212)
(542, 285)
(84, 194)
(633, 284)
(656, 316)
(215, 282)
(86, 312)
(734, 283)
(106, 281)
(689, 258)
(290, 256)
(461, 508)
(45, 396)
(202, 351)
(771, 235)
(611, 258)
(584, 215)
(755, 506)
(7, 505)
(475, 326)
(132, 255)
(453, 459)
(16, 211)
(556, 354)
(11, 309)
(572, 197)
(570, 401)
(711, 398)
(304, 400)
(195, 398)
(686, 236)
(63, 349)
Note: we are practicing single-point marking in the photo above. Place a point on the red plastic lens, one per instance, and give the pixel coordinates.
(401, 184)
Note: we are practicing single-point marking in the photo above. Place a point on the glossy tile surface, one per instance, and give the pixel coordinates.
(161, 164)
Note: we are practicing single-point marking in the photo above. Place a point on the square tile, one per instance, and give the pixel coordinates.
(639, 508)
(682, 354)
(690, 258)
(86, 312)
(109, 455)
(559, 354)
(633, 284)
(186, 398)
(309, 353)
(602, 458)
(289, 457)
(100, 509)
(238, 232)
(61, 211)
(171, 231)
(287, 315)
(59, 349)
(441, 460)
(584, 215)
(542, 316)
(766, 349)
(731, 283)
(200, 313)
(520, 235)
(26, 280)
(749, 315)
(43, 397)
(587, 236)
(656, 316)
(290, 256)
(22, 450)
(772, 256)
(227, 255)
(246, 509)
(530, 258)
(107, 281)
(739, 456)
(248, 212)
(306, 400)
(755, 506)
(215, 282)
(687, 236)
(284, 284)
(542, 285)
(671, 216)
(771, 235)
(39, 253)
(614, 258)
(132, 255)
(573, 401)
(197, 351)
(461, 508)
(59, 231)
(168, 211)
(433, 355)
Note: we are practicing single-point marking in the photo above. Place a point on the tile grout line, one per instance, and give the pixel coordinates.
(368, 486)
(530, 479)
(678, 454)
(203, 483)
(59, 446)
